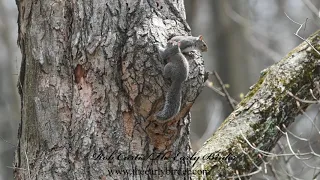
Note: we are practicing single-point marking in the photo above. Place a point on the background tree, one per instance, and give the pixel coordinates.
(248, 135)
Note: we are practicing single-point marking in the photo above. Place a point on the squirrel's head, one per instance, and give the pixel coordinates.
(201, 44)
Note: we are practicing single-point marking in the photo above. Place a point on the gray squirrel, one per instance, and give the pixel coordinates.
(177, 69)
(187, 44)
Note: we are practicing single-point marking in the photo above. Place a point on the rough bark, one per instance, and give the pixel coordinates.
(269, 104)
(90, 83)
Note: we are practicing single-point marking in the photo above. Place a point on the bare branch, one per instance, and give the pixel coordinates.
(224, 90)
(256, 121)
(209, 85)
(297, 32)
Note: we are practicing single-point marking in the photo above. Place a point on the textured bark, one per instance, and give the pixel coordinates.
(90, 83)
(267, 106)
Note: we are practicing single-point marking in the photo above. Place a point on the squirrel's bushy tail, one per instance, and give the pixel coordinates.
(172, 103)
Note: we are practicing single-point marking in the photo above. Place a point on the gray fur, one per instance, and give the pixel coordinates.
(177, 70)
(190, 43)
(187, 44)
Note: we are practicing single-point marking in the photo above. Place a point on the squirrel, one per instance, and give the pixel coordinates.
(177, 69)
(187, 44)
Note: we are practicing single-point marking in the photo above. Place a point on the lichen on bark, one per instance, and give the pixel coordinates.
(267, 106)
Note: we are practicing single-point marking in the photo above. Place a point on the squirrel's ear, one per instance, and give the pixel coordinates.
(200, 37)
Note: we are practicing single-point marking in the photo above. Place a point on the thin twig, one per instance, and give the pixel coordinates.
(297, 32)
(7, 142)
(245, 175)
(218, 91)
(302, 100)
(316, 175)
(224, 89)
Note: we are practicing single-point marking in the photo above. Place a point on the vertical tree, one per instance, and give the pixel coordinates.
(90, 83)
(232, 59)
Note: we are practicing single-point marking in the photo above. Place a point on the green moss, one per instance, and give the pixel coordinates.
(314, 53)
(317, 33)
(257, 86)
(254, 89)
(314, 39)
(267, 125)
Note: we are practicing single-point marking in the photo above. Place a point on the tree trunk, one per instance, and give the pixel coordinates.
(90, 83)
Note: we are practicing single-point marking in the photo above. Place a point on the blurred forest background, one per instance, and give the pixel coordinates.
(244, 37)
